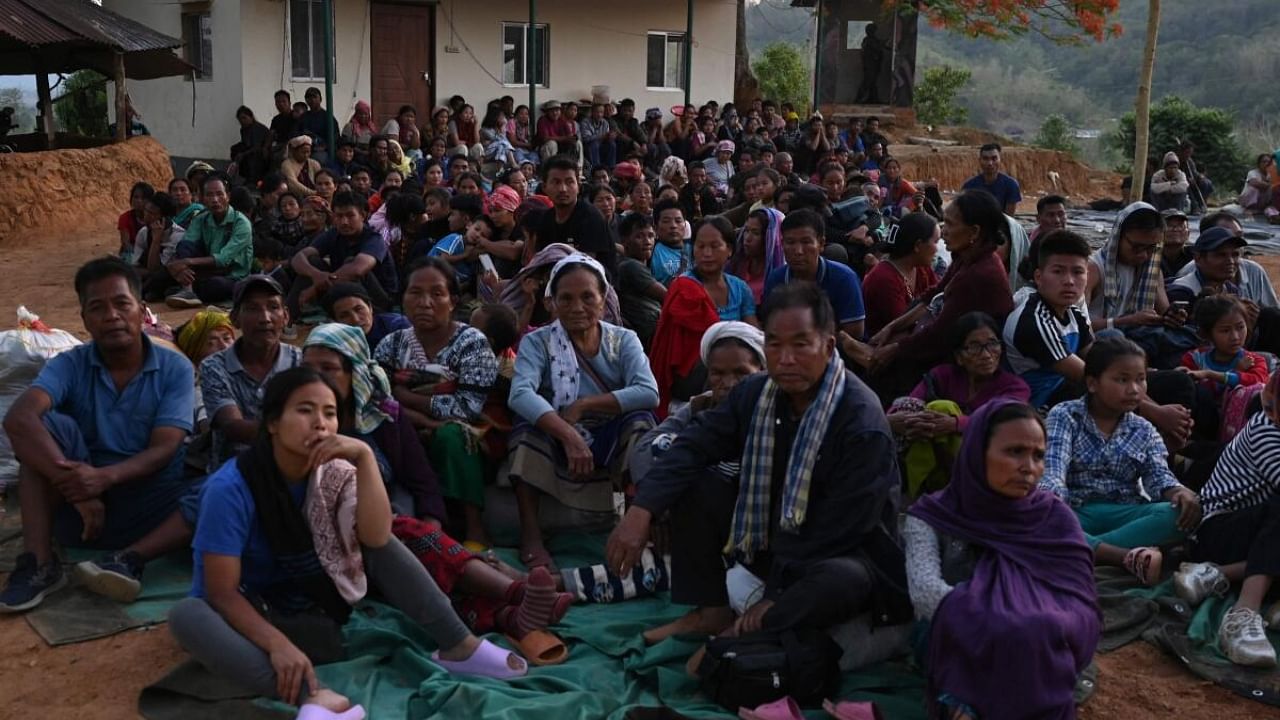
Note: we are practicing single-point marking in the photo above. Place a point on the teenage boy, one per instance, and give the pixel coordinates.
(670, 256)
(351, 251)
(571, 219)
(640, 295)
(1047, 334)
(99, 437)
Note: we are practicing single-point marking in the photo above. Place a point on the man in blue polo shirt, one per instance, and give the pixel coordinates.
(802, 233)
(99, 436)
(1005, 189)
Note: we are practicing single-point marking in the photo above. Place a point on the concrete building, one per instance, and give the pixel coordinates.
(421, 52)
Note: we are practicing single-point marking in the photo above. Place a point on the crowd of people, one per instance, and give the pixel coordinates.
(743, 333)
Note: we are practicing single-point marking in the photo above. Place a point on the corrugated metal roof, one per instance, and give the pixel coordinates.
(37, 23)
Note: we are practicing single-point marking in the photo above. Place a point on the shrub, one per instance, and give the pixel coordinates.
(1218, 153)
(935, 96)
(784, 75)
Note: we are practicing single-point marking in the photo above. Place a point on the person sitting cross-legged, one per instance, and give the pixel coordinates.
(99, 438)
(813, 513)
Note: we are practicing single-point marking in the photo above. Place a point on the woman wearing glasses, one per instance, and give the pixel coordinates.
(930, 420)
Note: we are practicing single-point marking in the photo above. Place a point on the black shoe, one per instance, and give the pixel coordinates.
(117, 575)
(29, 584)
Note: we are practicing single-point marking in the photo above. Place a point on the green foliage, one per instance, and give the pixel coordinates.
(935, 96)
(784, 75)
(1217, 154)
(85, 112)
(1055, 134)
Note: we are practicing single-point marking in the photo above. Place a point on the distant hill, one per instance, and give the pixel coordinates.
(1219, 54)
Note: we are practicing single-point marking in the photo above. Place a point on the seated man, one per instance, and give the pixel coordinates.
(349, 304)
(216, 252)
(1051, 214)
(1253, 279)
(1169, 186)
(556, 134)
(802, 233)
(819, 531)
(1005, 189)
(99, 436)
(350, 252)
(232, 380)
(1175, 254)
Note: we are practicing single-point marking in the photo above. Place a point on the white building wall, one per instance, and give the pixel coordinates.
(592, 43)
(166, 103)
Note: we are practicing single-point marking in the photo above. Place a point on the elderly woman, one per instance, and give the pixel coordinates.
(584, 393)
(298, 168)
(1000, 570)
(524, 292)
(442, 373)
(361, 128)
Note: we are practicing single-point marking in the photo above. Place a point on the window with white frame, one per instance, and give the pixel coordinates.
(517, 41)
(197, 42)
(306, 39)
(666, 68)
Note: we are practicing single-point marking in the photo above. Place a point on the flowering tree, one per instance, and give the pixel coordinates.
(1063, 21)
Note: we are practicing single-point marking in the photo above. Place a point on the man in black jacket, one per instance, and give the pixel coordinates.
(816, 519)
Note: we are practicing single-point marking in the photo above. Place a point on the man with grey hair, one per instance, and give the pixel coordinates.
(786, 167)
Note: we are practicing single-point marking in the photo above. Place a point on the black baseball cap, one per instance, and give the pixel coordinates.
(254, 282)
(1214, 238)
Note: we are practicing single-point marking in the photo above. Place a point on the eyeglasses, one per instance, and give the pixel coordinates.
(1142, 248)
(992, 347)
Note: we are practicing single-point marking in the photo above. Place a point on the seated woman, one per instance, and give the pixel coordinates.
(300, 493)
(185, 207)
(486, 599)
(584, 393)
(157, 242)
(1000, 571)
(712, 247)
(1239, 539)
(525, 291)
(900, 196)
(299, 169)
(1111, 466)
(732, 352)
(907, 273)
(132, 221)
(1255, 197)
(973, 228)
(442, 371)
(758, 250)
(935, 415)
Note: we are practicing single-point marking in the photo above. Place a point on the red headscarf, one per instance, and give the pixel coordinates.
(686, 314)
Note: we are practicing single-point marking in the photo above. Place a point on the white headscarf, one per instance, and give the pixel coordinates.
(749, 335)
(564, 358)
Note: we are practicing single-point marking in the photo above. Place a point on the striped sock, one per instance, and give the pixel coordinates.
(539, 607)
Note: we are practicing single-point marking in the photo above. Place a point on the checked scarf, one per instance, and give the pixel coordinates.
(1143, 294)
(750, 530)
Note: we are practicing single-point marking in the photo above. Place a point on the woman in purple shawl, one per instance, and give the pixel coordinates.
(1002, 571)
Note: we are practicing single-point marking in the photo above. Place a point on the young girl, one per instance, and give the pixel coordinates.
(296, 527)
(133, 220)
(1223, 368)
(1100, 453)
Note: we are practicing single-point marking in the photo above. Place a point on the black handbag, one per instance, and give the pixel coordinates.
(758, 668)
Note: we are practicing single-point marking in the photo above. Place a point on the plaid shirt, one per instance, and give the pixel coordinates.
(1082, 466)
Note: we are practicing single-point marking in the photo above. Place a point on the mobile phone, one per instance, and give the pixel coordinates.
(487, 263)
(1181, 305)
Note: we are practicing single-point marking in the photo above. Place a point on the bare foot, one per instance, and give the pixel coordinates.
(329, 700)
(700, 621)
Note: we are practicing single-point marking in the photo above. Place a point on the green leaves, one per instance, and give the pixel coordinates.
(935, 96)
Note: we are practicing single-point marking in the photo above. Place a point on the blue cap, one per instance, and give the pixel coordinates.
(1214, 238)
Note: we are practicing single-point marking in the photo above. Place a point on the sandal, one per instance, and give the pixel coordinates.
(784, 709)
(847, 710)
(488, 660)
(319, 712)
(1144, 563)
(541, 647)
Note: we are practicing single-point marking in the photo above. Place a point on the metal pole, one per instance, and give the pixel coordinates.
(330, 140)
(817, 58)
(688, 56)
(529, 57)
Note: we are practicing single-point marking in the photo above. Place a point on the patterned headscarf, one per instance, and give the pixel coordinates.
(369, 385)
(193, 335)
(319, 204)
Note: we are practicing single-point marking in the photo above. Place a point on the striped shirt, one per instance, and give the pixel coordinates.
(1036, 340)
(1248, 473)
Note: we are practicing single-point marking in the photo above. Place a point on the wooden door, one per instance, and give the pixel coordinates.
(402, 50)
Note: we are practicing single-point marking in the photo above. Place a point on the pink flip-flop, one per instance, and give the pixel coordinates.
(784, 709)
(319, 712)
(488, 660)
(848, 710)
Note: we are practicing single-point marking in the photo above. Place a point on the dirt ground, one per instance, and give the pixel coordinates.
(102, 679)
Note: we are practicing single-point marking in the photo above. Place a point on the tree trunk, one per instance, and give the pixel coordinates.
(745, 85)
(1142, 108)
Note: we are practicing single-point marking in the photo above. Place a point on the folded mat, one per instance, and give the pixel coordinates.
(75, 615)
(610, 673)
(1158, 616)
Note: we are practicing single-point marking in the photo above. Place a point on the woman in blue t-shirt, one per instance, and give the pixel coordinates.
(713, 240)
(288, 536)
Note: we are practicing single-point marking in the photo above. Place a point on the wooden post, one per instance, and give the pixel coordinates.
(122, 112)
(45, 120)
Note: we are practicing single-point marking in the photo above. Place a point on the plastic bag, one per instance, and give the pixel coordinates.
(23, 353)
